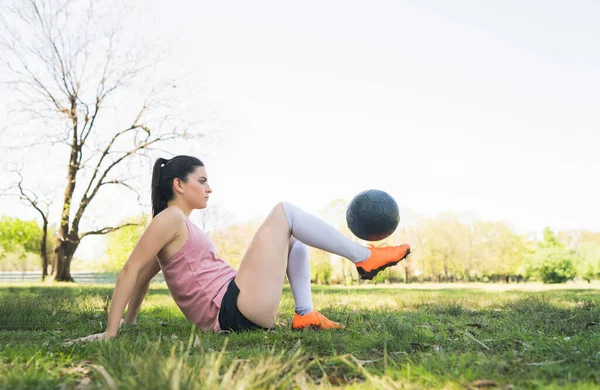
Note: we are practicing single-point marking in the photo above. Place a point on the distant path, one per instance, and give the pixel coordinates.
(81, 277)
(86, 277)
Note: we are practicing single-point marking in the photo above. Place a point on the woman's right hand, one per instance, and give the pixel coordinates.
(93, 337)
(96, 337)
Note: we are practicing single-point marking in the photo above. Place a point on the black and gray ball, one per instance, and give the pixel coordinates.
(373, 215)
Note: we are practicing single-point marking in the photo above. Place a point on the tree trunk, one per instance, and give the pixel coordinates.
(407, 274)
(63, 254)
(66, 242)
(44, 250)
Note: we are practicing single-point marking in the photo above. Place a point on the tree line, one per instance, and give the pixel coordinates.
(446, 249)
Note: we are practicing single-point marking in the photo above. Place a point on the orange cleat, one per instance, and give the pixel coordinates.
(381, 258)
(314, 320)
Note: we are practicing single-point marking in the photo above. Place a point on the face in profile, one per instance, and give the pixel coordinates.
(196, 190)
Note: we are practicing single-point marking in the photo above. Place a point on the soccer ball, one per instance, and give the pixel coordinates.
(372, 215)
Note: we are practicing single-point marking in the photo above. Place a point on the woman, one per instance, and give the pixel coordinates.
(208, 291)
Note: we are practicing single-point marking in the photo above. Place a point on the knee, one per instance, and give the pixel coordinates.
(300, 248)
(279, 220)
(284, 206)
(280, 207)
(287, 210)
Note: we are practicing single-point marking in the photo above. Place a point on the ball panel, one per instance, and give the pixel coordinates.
(390, 208)
(360, 203)
(375, 209)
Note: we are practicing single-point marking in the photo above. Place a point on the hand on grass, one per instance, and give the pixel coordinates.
(95, 337)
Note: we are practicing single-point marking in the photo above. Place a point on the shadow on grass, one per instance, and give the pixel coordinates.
(64, 307)
(526, 338)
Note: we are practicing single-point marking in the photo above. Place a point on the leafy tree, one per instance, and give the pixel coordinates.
(20, 243)
(120, 243)
(321, 268)
(555, 265)
(42, 207)
(445, 246)
(550, 240)
(589, 261)
(553, 262)
(232, 241)
(15, 232)
(507, 250)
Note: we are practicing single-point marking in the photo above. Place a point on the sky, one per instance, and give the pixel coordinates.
(487, 108)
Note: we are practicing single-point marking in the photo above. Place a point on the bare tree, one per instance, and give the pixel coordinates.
(67, 65)
(42, 206)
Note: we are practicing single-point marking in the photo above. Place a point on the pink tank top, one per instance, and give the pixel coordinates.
(197, 279)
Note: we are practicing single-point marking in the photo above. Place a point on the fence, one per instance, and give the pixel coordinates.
(81, 277)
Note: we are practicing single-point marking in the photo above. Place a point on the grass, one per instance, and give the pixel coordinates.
(396, 337)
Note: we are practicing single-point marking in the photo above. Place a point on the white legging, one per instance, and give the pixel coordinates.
(309, 230)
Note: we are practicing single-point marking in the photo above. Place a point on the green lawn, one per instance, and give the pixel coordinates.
(396, 337)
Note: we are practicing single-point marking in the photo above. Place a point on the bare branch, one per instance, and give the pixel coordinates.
(104, 91)
(27, 195)
(89, 122)
(87, 198)
(106, 230)
(42, 87)
(41, 142)
(53, 44)
(121, 182)
(105, 153)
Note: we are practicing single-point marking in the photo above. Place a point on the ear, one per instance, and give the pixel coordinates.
(177, 185)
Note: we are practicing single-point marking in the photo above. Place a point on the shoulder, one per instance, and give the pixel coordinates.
(170, 219)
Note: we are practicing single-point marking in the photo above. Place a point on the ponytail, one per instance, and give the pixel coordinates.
(163, 174)
(159, 203)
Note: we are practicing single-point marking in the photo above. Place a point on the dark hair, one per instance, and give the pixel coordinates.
(163, 173)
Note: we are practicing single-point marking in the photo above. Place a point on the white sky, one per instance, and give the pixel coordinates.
(490, 108)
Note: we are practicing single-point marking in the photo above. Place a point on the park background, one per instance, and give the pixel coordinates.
(479, 118)
(480, 121)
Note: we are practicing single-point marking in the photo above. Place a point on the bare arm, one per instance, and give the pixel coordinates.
(162, 230)
(134, 278)
(135, 302)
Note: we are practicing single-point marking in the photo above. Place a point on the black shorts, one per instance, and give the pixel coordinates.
(230, 317)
